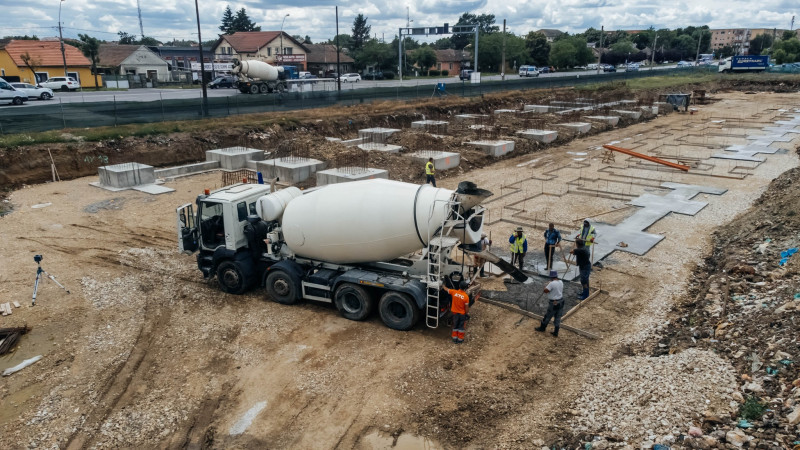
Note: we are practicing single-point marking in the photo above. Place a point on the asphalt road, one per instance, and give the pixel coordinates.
(155, 94)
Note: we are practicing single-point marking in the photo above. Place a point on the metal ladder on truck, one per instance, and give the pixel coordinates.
(436, 244)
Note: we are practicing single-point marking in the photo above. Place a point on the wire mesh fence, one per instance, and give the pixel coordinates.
(115, 111)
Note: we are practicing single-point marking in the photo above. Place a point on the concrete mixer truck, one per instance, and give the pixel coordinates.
(360, 245)
(258, 77)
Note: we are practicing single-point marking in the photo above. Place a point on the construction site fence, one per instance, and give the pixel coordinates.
(61, 115)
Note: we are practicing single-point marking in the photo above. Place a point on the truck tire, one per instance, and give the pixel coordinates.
(353, 301)
(264, 88)
(398, 311)
(231, 278)
(254, 89)
(281, 287)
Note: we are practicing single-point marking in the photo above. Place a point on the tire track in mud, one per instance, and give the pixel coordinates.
(121, 384)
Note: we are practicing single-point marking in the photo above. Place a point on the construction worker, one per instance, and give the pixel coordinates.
(430, 170)
(459, 306)
(583, 259)
(552, 238)
(519, 246)
(555, 303)
(482, 245)
(587, 233)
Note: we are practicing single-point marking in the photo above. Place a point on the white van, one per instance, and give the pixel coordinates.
(528, 71)
(9, 94)
(592, 67)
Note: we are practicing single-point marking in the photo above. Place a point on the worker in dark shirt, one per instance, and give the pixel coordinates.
(459, 306)
(552, 237)
(583, 259)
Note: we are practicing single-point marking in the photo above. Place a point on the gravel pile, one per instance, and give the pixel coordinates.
(645, 400)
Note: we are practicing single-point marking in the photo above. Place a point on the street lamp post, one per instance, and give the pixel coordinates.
(282, 22)
(202, 62)
(61, 40)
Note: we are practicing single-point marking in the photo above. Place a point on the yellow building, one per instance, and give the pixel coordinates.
(45, 59)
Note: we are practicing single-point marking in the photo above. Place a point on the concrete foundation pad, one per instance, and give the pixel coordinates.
(505, 111)
(126, 175)
(441, 160)
(333, 139)
(292, 170)
(346, 174)
(770, 138)
(377, 134)
(187, 169)
(751, 148)
(494, 148)
(439, 124)
(543, 136)
(153, 189)
(470, 116)
(650, 110)
(738, 156)
(234, 158)
(635, 115)
(577, 127)
(353, 142)
(536, 108)
(781, 130)
(611, 120)
(375, 147)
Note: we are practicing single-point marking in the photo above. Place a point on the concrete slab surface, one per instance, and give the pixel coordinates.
(543, 136)
(630, 114)
(377, 134)
(126, 175)
(505, 111)
(611, 120)
(494, 148)
(292, 170)
(536, 108)
(429, 124)
(347, 174)
(577, 127)
(153, 189)
(441, 160)
(378, 147)
(186, 169)
(235, 158)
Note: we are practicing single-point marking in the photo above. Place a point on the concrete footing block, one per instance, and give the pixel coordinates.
(536, 108)
(635, 115)
(234, 158)
(377, 134)
(439, 125)
(292, 170)
(543, 136)
(186, 169)
(346, 174)
(353, 142)
(376, 147)
(441, 160)
(470, 116)
(126, 175)
(611, 120)
(506, 111)
(494, 148)
(576, 127)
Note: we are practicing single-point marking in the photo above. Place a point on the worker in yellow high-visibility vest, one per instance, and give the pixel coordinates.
(430, 171)
(519, 246)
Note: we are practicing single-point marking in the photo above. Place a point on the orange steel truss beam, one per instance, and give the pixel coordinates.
(649, 158)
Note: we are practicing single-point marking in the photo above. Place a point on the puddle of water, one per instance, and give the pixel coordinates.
(380, 441)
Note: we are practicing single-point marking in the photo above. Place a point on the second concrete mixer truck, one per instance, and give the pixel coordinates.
(360, 245)
(259, 77)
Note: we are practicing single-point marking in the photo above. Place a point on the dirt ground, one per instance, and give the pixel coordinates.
(144, 353)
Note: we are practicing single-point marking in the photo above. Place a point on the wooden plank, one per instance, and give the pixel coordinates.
(8, 308)
(517, 310)
(576, 307)
(648, 158)
(16, 304)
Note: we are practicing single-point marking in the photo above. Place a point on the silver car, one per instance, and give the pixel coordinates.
(351, 78)
(61, 83)
(32, 91)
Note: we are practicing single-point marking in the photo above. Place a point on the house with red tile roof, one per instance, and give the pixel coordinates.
(132, 60)
(45, 59)
(273, 47)
(321, 60)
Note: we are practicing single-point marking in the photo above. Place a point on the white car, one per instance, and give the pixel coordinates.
(32, 91)
(61, 83)
(9, 94)
(351, 78)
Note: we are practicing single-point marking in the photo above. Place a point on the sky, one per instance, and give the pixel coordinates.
(176, 19)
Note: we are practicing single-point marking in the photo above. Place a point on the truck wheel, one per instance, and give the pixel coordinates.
(254, 89)
(353, 301)
(398, 311)
(264, 88)
(231, 278)
(281, 287)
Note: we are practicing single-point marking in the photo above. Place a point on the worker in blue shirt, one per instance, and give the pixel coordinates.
(551, 239)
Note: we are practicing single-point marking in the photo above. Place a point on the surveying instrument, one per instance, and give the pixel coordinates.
(39, 272)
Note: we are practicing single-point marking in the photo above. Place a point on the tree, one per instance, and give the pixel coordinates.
(423, 57)
(592, 35)
(623, 47)
(490, 51)
(125, 38)
(726, 51)
(780, 56)
(90, 47)
(227, 21)
(760, 43)
(485, 23)
(147, 40)
(570, 52)
(538, 48)
(376, 53)
(685, 45)
(242, 22)
(22, 38)
(306, 40)
(360, 31)
(443, 43)
(31, 63)
(788, 35)
(344, 41)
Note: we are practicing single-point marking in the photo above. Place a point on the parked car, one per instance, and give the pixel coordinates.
(351, 78)
(32, 91)
(544, 69)
(465, 74)
(10, 94)
(63, 84)
(374, 75)
(528, 71)
(684, 64)
(609, 68)
(632, 67)
(309, 78)
(591, 67)
(223, 82)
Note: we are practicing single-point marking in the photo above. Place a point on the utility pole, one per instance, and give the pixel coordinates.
(699, 40)
(503, 68)
(282, 22)
(653, 56)
(60, 39)
(600, 55)
(141, 27)
(202, 62)
(338, 50)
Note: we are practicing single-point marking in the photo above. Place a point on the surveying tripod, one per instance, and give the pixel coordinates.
(39, 272)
